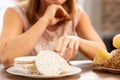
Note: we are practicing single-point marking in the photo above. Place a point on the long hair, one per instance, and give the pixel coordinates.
(33, 6)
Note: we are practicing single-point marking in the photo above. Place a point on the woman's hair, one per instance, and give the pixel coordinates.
(33, 6)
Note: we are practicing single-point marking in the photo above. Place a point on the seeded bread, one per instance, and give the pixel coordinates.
(114, 61)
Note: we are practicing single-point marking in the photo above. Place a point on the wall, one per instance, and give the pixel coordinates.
(4, 4)
(94, 11)
(105, 17)
(111, 16)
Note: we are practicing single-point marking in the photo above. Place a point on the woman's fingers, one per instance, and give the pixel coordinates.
(70, 50)
(64, 46)
(61, 45)
(67, 46)
(58, 45)
(55, 13)
(76, 47)
(61, 13)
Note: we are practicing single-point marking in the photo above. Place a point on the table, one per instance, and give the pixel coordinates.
(86, 74)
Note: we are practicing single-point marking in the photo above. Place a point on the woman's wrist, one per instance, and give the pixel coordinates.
(45, 20)
(79, 40)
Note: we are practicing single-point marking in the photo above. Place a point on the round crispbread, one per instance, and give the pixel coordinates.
(50, 63)
(25, 60)
(25, 65)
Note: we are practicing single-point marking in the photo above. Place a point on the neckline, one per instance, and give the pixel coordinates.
(59, 26)
(54, 31)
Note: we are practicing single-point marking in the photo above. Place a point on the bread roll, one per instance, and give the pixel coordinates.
(101, 57)
(116, 41)
(114, 61)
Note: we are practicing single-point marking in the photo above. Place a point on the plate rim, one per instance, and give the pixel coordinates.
(78, 70)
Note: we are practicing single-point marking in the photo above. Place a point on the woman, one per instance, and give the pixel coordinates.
(47, 24)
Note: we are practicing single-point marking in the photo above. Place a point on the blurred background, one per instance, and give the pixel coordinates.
(104, 15)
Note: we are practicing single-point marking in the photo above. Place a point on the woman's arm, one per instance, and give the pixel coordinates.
(89, 39)
(13, 41)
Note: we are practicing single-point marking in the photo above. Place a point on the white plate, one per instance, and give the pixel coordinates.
(74, 70)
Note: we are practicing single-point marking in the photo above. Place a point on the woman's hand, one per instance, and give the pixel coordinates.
(55, 13)
(67, 46)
